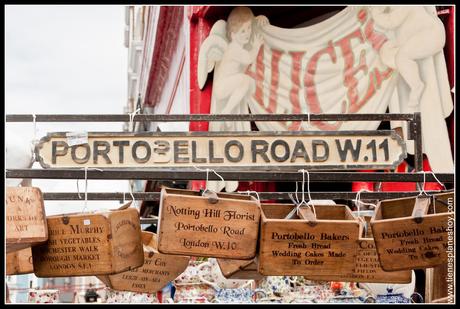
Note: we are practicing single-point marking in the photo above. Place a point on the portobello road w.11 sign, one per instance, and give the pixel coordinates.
(257, 150)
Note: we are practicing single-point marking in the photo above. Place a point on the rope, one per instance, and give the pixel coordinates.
(302, 202)
(357, 203)
(131, 119)
(207, 176)
(248, 192)
(86, 185)
(358, 200)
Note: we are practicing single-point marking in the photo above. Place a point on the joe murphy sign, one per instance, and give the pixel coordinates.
(255, 150)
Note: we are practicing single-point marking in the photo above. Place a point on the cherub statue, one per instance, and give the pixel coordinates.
(229, 49)
(416, 37)
(418, 34)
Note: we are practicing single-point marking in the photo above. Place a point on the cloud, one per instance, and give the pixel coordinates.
(65, 59)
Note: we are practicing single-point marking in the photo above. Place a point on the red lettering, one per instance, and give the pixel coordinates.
(376, 39)
(376, 77)
(259, 77)
(276, 55)
(380, 77)
(350, 71)
(294, 94)
(310, 89)
(362, 15)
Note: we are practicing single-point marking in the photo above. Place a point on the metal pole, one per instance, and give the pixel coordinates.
(418, 146)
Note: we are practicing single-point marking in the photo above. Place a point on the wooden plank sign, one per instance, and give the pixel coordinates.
(413, 233)
(298, 247)
(157, 271)
(93, 243)
(25, 218)
(255, 150)
(19, 262)
(239, 269)
(223, 226)
(367, 266)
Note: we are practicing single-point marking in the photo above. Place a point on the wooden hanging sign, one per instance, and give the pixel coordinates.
(298, 247)
(367, 266)
(19, 262)
(414, 233)
(25, 218)
(239, 269)
(93, 243)
(223, 226)
(157, 271)
(255, 150)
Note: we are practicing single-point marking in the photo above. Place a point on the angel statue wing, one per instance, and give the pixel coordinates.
(211, 51)
(18, 154)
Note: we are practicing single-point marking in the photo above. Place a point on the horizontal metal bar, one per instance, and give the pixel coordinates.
(205, 117)
(149, 220)
(175, 174)
(155, 196)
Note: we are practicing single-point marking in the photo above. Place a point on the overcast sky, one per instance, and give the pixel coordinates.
(65, 60)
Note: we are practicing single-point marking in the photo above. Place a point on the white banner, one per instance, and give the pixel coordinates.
(335, 67)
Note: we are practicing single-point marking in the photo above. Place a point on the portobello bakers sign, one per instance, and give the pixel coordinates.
(256, 150)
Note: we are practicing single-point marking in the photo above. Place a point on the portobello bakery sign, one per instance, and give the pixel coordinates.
(363, 59)
(256, 150)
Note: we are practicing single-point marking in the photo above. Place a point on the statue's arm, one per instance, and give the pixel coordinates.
(257, 43)
(242, 56)
(390, 20)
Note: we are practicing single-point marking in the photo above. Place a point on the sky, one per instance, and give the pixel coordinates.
(63, 59)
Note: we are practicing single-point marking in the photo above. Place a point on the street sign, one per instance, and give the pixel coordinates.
(226, 150)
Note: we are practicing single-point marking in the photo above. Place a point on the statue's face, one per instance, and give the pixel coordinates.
(243, 34)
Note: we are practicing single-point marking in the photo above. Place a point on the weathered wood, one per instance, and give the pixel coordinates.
(158, 269)
(440, 284)
(239, 269)
(367, 266)
(299, 248)
(19, 262)
(441, 300)
(407, 242)
(25, 218)
(96, 243)
(191, 224)
(312, 149)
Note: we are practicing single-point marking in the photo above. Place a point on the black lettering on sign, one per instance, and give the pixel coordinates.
(259, 151)
(317, 143)
(194, 157)
(238, 145)
(85, 157)
(343, 152)
(283, 144)
(299, 151)
(55, 152)
(20, 199)
(121, 153)
(162, 147)
(384, 145)
(97, 152)
(180, 147)
(147, 154)
(213, 159)
(366, 245)
(21, 228)
(374, 150)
